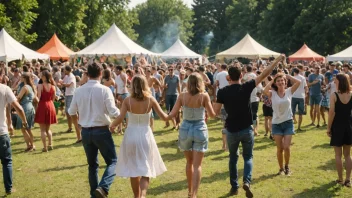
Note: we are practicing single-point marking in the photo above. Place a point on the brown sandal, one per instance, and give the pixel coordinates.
(339, 182)
(347, 183)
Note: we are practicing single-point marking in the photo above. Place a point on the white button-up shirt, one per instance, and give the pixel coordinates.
(95, 104)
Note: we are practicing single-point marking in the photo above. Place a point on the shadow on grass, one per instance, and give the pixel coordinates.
(326, 190)
(64, 168)
(329, 165)
(164, 132)
(181, 185)
(168, 144)
(325, 146)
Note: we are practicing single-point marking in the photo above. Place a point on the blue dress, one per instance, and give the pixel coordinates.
(28, 108)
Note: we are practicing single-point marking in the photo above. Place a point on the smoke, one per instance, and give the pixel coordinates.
(207, 38)
(162, 38)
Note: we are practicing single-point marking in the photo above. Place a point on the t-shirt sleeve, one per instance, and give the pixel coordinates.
(10, 97)
(220, 97)
(288, 92)
(310, 78)
(248, 86)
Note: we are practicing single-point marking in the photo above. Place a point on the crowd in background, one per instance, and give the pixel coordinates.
(187, 91)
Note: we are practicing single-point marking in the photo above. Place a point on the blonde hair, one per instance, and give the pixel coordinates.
(195, 84)
(140, 88)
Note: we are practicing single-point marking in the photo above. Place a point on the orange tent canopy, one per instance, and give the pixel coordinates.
(56, 49)
(305, 53)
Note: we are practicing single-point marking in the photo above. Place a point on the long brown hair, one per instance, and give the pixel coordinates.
(195, 84)
(344, 83)
(48, 77)
(140, 88)
(29, 81)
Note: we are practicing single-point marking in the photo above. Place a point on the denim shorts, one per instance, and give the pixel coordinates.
(193, 136)
(297, 102)
(315, 100)
(223, 115)
(284, 128)
(68, 101)
(123, 96)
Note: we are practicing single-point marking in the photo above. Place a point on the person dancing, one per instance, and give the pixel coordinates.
(282, 123)
(46, 114)
(139, 157)
(339, 126)
(193, 133)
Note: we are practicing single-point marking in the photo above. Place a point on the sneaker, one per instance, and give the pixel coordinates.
(233, 192)
(281, 172)
(287, 171)
(100, 193)
(247, 188)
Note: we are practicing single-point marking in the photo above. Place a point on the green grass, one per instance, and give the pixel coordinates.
(63, 171)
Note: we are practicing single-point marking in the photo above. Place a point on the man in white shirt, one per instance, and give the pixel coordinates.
(221, 82)
(7, 97)
(298, 97)
(95, 104)
(69, 82)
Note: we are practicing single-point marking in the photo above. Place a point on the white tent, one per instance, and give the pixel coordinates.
(11, 50)
(247, 48)
(113, 42)
(345, 55)
(179, 50)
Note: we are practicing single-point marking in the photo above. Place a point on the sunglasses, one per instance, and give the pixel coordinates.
(171, 70)
(317, 68)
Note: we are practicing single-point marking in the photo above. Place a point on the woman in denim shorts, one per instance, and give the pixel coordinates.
(282, 124)
(193, 132)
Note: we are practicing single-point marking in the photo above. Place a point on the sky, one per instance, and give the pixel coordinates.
(133, 3)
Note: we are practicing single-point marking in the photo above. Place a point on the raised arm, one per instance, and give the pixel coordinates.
(268, 70)
(267, 89)
(296, 83)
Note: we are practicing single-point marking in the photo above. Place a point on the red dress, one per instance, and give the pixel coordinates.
(46, 113)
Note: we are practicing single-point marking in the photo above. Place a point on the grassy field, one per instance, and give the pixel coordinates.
(63, 171)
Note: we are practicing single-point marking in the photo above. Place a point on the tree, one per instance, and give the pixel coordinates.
(101, 14)
(244, 16)
(162, 22)
(222, 35)
(65, 18)
(204, 23)
(325, 25)
(17, 17)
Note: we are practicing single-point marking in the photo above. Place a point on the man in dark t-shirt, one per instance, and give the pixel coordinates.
(236, 100)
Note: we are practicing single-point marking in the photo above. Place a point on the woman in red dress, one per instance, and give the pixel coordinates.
(46, 114)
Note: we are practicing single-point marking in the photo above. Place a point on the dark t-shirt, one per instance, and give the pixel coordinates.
(236, 101)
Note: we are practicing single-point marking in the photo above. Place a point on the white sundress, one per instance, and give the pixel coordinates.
(139, 154)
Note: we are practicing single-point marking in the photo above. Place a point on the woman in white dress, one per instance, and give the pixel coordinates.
(139, 157)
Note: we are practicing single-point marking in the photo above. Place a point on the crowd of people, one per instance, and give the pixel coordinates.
(90, 94)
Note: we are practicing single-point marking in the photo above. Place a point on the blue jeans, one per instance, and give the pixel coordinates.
(94, 140)
(6, 161)
(170, 101)
(246, 138)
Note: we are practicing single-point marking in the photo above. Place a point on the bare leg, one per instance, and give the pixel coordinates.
(144, 184)
(224, 142)
(317, 114)
(338, 160)
(300, 118)
(322, 113)
(50, 135)
(312, 114)
(348, 162)
(43, 135)
(197, 172)
(135, 186)
(69, 121)
(189, 169)
(279, 150)
(286, 146)
(31, 138)
(26, 137)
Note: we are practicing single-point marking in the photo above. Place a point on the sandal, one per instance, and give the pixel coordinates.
(339, 182)
(347, 183)
(28, 149)
(44, 150)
